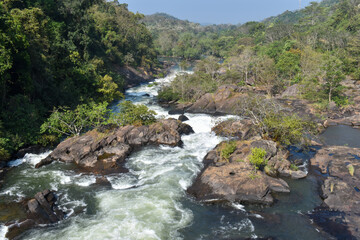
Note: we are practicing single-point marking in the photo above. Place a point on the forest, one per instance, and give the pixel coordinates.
(62, 53)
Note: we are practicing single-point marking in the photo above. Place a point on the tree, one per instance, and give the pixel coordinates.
(265, 71)
(109, 89)
(333, 75)
(131, 114)
(64, 121)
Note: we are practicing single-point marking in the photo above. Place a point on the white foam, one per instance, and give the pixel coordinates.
(238, 206)
(29, 158)
(3, 231)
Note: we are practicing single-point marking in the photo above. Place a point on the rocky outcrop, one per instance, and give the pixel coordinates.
(353, 121)
(236, 182)
(340, 167)
(224, 101)
(240, 129)
(235, 179)
(105, 152)
(40, 211)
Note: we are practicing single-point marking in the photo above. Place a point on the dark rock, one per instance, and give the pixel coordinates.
(35, 149)
(102, 181)
(183, 118)
(340, 166)
(146, 95)
(41, 210)
(106, 153)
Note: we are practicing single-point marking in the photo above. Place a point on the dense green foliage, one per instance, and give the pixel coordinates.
(63, 53)
(257, 157)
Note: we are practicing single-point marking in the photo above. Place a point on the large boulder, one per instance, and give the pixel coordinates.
(236, 182)
(41, 210)
(340, 190)
(100, 152)
(235, 179)
(241, 129)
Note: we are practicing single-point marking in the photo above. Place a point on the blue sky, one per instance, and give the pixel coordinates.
(212, 11)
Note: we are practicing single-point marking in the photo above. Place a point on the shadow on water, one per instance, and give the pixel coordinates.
(341, 135)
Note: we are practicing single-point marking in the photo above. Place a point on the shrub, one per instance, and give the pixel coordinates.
(167, 94)
(131, 114)
(226, 149)
(288, 130)
(64, 121)
(257, 157)
(293, 167)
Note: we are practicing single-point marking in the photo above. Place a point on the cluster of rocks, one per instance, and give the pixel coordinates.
(41, 210)
(105, 152)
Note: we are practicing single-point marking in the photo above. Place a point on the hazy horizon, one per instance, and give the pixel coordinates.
(213, 12)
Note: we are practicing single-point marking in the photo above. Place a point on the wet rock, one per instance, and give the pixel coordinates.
(235, 179)
(40, 210)
(241, 129)
(340, 190)
(106, 152)
(35, 149)
(102, 181)
(183, 118)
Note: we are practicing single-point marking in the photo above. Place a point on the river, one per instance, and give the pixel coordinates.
(150, 202)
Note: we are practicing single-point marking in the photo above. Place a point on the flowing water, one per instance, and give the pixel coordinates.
(150, 202)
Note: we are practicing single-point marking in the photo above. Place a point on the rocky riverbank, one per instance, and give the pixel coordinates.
(339, 167)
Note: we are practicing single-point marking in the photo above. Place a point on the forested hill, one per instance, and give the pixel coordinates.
(62, 53)
(174, 37)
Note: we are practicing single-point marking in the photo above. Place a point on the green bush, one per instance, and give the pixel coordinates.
(257, 157)
(64, 121)
(293, 167)
(131, 114)
(167, 94)
(288, 130)
(226, 149)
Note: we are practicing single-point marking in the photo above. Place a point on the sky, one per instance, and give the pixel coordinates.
(216, 11)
